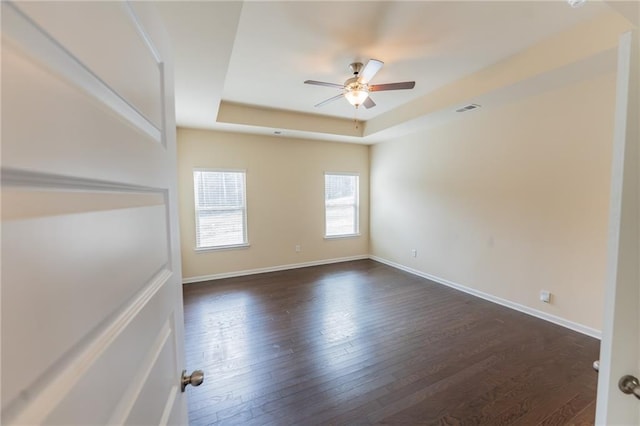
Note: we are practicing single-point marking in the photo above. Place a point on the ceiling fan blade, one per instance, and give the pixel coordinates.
(392, 86)
(326, 101)
(368, 103)
(372, 67)
(322, 83)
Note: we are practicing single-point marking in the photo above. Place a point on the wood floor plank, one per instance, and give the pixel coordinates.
(363, 343)
(585, 417)
(568, 411)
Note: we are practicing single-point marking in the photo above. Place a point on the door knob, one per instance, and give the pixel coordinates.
(596, 365)
(630, 385)
(194, 379)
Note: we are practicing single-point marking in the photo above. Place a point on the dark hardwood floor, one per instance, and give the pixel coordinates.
(362, 343)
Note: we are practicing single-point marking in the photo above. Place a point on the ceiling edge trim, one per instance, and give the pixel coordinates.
(243, 114)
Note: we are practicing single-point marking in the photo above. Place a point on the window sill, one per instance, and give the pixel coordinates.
(219, 248)
(338, 237)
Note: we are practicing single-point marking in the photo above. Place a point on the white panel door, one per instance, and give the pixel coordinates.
(620, 348)
(92, 323)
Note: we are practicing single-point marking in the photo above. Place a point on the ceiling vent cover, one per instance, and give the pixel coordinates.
(576, 3)
(468, 107)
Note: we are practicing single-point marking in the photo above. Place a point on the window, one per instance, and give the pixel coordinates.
(221, 208)
(341, 195)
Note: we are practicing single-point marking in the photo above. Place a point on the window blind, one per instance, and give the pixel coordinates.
(220, 204)
(341, 200)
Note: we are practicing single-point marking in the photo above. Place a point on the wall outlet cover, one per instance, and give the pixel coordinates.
(545, 296)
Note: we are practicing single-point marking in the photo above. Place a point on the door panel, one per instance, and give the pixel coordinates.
(49, 148)
(121, 264)
(112, 32)
(91, 293)
(155, 391)
(118, 360)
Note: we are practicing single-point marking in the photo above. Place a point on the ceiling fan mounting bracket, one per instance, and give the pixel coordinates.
(356, 67)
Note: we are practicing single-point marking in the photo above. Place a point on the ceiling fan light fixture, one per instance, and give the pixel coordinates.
(356, 97)
(356, 92)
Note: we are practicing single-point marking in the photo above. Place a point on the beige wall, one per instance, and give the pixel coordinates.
(507, 201)
(285, 199)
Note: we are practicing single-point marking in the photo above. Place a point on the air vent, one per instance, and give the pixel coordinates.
(468, 107)
(576, 3)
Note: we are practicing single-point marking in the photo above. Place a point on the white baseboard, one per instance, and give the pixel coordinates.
(509, 304)
(271, 269)
(486, 296)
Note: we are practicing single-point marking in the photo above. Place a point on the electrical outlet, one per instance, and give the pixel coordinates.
(545, 296)
(298, 249)
(414, 253)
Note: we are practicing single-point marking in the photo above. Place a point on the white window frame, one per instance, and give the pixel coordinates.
(357, 205)
(245, 242)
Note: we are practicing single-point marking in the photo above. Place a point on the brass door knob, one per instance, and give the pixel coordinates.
(194, 379)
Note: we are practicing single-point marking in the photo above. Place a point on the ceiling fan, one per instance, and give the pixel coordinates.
(357, 88)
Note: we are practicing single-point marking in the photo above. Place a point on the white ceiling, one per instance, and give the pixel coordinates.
(257, 54)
